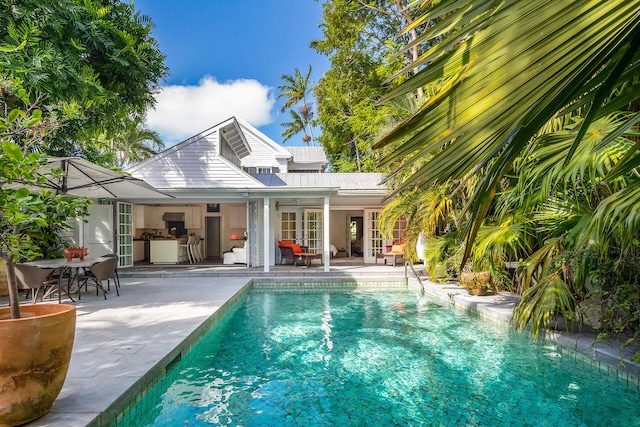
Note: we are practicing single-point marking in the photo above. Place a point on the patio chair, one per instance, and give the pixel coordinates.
(394, 254)
(286, 252)
(33, 278)
(104, 270)
(297, 253)
(116, 278)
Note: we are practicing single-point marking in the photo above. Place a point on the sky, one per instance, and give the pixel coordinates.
(226, 58)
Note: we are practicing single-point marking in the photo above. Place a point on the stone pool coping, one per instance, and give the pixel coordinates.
(608, 356)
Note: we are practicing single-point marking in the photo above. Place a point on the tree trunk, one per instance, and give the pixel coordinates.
(12, 284)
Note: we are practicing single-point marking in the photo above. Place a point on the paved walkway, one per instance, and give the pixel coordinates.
(124, 339)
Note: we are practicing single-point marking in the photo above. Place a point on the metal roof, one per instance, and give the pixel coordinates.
(342, 181)
(307, 154)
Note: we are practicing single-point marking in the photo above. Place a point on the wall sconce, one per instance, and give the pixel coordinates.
(277, 205)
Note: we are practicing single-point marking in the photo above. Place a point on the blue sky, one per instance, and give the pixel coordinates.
(226, 58)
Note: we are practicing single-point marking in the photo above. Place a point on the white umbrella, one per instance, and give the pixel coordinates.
(84, 178)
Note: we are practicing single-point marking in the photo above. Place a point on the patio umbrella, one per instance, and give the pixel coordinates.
(84, 178)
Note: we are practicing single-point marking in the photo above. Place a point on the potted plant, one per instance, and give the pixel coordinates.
(475, 275)
(475, 282)
(36, 341)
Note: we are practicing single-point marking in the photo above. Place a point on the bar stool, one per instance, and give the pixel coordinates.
(195, 249)
(183, 252)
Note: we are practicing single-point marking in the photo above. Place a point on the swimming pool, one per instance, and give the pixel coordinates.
(353, 357)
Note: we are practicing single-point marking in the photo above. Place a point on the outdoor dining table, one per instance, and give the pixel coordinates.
(72, 267)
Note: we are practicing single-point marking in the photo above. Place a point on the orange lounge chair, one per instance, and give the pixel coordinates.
(395, 254)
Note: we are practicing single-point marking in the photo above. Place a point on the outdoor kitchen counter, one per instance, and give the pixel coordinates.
(166, 251)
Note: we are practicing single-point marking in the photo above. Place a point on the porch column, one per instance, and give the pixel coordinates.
(325, 235)
(265, 233)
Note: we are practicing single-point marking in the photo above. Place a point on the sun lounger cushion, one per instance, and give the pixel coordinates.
(397, 249)
(296, 249)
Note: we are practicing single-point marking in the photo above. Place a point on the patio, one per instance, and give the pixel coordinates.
(124, 342)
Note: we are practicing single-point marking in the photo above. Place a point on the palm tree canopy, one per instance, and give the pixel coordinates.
(505, 68)
(295, 88)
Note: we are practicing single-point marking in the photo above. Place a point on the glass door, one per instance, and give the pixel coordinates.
(125, 234)
(373, 241)
(312, 224)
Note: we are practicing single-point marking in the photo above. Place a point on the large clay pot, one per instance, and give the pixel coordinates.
(475, 282)
(34, 358)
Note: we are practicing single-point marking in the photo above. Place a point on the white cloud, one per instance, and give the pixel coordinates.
(184, 111)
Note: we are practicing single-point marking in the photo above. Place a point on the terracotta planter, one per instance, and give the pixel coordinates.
(71, 253)
(34, 358)
(475, 282)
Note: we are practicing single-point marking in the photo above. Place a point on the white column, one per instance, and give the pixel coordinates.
(265, 231)
(325, 234)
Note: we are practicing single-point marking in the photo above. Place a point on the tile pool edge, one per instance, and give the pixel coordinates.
(123, 403)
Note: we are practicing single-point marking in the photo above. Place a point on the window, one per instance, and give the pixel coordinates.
(288, 226)
(264, 170)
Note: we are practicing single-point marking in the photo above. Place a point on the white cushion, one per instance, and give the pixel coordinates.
(240, 255)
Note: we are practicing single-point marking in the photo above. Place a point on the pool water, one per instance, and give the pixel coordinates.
(366, 358)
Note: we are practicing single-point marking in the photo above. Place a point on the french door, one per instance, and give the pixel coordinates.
(312, 224)
(125, 234)
(373, 241)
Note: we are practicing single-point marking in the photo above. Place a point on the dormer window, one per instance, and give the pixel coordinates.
(264, 170)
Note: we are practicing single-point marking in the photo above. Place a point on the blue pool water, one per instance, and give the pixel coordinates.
(367, 358)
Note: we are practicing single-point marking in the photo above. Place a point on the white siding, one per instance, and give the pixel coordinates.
(264, 151)
(194, 165)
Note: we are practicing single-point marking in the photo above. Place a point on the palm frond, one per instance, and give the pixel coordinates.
(541, 304)
(510, 69)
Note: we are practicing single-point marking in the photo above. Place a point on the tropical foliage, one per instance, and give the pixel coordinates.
(74, 74)
(96, 54)
(27, 221)
(534, 122)
(359, 39)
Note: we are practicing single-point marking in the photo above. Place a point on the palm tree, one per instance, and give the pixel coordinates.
(133, 142)
(505, 69)
(295, 89)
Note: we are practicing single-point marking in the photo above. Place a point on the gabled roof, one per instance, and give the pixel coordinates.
(196, 163)
(251, 132)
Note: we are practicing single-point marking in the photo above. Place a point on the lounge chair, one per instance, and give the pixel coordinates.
(395, 254)
(296, 253)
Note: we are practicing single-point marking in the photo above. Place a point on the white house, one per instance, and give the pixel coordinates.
(232, 185)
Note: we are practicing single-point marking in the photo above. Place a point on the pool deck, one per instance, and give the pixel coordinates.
(128, 340)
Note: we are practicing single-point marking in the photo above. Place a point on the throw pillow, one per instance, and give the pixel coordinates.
(397, 249)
